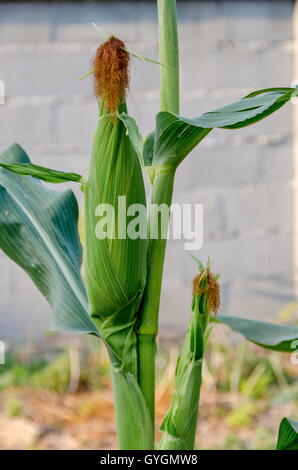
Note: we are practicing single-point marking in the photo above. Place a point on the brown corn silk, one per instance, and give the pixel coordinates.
(111, 73)
(211, 289)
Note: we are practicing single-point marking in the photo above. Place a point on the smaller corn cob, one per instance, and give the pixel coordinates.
(180, 422)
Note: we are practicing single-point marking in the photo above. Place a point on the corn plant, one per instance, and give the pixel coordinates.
(116, 297)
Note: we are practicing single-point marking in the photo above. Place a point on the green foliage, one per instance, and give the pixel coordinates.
(38, 230)
(51, 370)
(55, 376)
(268, 335)
(13, 407)
(287, 435)
(16, 372)
(242, 415)
(176, 136)
(42, 173)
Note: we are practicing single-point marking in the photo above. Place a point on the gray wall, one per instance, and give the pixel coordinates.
(244, 178)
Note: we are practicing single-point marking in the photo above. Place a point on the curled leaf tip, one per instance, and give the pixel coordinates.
(111, 73)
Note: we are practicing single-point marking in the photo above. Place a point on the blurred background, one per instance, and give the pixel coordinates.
(246, 179)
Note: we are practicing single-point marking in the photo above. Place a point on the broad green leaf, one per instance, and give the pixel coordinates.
(268, 335)
(134, 135)
(42, 173)
(287, 435)
(38, 230)
(148, 149)
(176, 136)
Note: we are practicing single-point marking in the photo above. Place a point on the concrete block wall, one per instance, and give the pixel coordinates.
(244, 178)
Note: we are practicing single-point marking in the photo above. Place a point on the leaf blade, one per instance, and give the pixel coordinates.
(268, 335)
(176, 136)
(45, 174)
(134, 135)
(38, 230)
(287, 435)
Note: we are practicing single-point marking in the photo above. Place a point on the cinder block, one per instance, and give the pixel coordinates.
(226, 166)
(179, 268)
(22, 287)
(27, 125)
(24, 320)
(24, 32)
(258, 20)
(21, 23)
(175, 310)
(145, 75)
(234, 258)
(143, 109)
(76, 123)
(276, 255)
(276, 163)
(262, 299)
(47, 72)
(213, 207)
(198, 69)
(260, 208)
(201, 22)
(74, 163)
(273, 66)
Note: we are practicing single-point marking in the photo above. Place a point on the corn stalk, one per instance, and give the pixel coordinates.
(163, 183)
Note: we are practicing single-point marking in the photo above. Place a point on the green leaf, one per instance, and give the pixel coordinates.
(287, 435)
(38, 230)
(42, 173)
(134, 135)
(146, 59)
(268, 335)
(134, 423)
(176, 136)
(148, 149)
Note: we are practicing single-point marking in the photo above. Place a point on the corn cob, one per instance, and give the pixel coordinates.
(180, 422)
(115, 267)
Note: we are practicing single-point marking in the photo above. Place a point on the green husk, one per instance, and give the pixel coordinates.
(180, 423)
(115, 266)
(115, 269)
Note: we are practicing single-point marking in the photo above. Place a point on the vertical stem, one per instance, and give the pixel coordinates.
(148, 326)
(161, 194)
(169, 56)
(146, 369)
